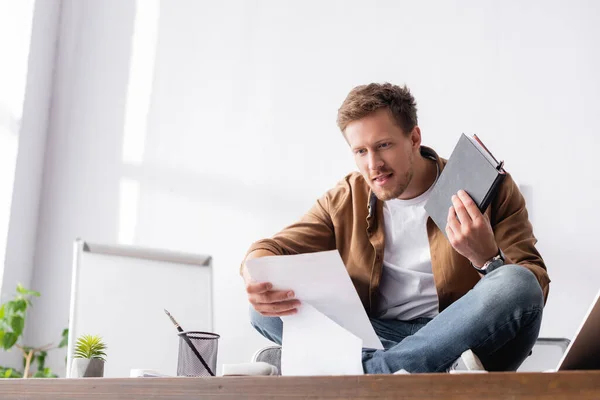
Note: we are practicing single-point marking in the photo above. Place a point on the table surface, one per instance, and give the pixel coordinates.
(561, 385)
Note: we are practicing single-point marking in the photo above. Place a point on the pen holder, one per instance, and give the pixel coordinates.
(197, 354)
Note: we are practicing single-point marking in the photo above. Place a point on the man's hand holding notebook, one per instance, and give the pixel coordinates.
(461, 195)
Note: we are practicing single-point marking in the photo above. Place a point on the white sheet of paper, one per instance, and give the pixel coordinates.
(321, 280)
(315, 345)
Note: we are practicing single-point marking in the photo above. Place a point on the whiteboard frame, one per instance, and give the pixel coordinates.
(80, 246)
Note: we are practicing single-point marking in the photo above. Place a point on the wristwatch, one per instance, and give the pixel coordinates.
(490, 265)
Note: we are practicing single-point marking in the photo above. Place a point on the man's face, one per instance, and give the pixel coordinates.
(383, 153)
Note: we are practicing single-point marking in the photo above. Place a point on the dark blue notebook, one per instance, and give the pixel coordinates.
(471, 167)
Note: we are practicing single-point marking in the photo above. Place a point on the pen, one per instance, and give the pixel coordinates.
(179, 328)
(189, 342)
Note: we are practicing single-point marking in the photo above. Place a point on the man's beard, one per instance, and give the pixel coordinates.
(385, 194)
(395, 192)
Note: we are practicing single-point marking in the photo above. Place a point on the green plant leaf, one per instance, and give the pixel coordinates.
(27, 292)
(10, 308)
(40, 358)
(7, 372)
(45, 373)
(90, 346)
(17, 306)
(2, 311)
(15, 373)
(17, 324)
(65, 338)
(9, 340)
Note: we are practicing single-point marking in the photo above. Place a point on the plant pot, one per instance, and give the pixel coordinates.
(87, 368)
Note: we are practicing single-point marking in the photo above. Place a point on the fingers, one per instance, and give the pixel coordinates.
(273, 296)
(449, 233)
(452, 222)
(271, 303)
(281, 314)
(469, 205)
(459, 208)
(262, 287)
(468, 230)
(278, 309)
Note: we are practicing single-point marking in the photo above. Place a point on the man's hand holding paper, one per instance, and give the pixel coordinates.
(265, 300)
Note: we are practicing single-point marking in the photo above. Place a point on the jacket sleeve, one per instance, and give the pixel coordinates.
(514, 233)
(313, 232)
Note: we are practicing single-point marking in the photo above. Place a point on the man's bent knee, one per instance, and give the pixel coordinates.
(269, 327)
(516, 285)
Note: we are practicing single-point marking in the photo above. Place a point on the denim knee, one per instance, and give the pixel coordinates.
(269, 327)
(515, 285)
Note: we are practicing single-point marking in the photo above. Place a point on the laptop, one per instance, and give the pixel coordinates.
(584, 350)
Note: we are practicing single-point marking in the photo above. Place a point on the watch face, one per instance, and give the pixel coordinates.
(495, 264)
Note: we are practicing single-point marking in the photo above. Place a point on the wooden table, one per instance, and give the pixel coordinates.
(562, 385)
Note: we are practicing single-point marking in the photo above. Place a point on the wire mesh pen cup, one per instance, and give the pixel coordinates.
(197, 354)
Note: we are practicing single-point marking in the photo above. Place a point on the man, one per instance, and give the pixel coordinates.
(477, 293)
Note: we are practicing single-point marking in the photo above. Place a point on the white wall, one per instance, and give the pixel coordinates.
(28, 37)
(229, 134)
(32, 145)
(15, 32)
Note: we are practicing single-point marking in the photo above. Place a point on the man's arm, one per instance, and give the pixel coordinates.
(313, 232)
(478, 237)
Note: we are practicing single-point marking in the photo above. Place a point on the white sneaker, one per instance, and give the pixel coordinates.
(468, 362)
(402, 372)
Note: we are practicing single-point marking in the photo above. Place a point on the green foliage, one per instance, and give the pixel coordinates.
(9, 373)
(90, 346)
(12, 325)
(9, 339)
(45, 373)
(12, 317)
(40, 358)
(65, 338)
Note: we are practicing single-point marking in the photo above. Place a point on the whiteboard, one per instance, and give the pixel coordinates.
(120, 293)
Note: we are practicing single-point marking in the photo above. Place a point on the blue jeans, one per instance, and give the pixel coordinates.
(499, 319)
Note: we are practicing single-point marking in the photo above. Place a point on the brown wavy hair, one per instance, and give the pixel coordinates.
(365, 99)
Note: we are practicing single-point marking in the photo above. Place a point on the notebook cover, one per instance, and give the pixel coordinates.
(468, 169)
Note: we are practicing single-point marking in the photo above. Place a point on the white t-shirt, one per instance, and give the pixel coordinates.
(407, 290)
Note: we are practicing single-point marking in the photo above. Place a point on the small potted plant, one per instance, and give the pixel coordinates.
(89, 357)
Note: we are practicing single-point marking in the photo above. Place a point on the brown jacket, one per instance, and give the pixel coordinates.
(349, 218)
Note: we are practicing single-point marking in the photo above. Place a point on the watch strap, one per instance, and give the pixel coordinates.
(497, 261)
